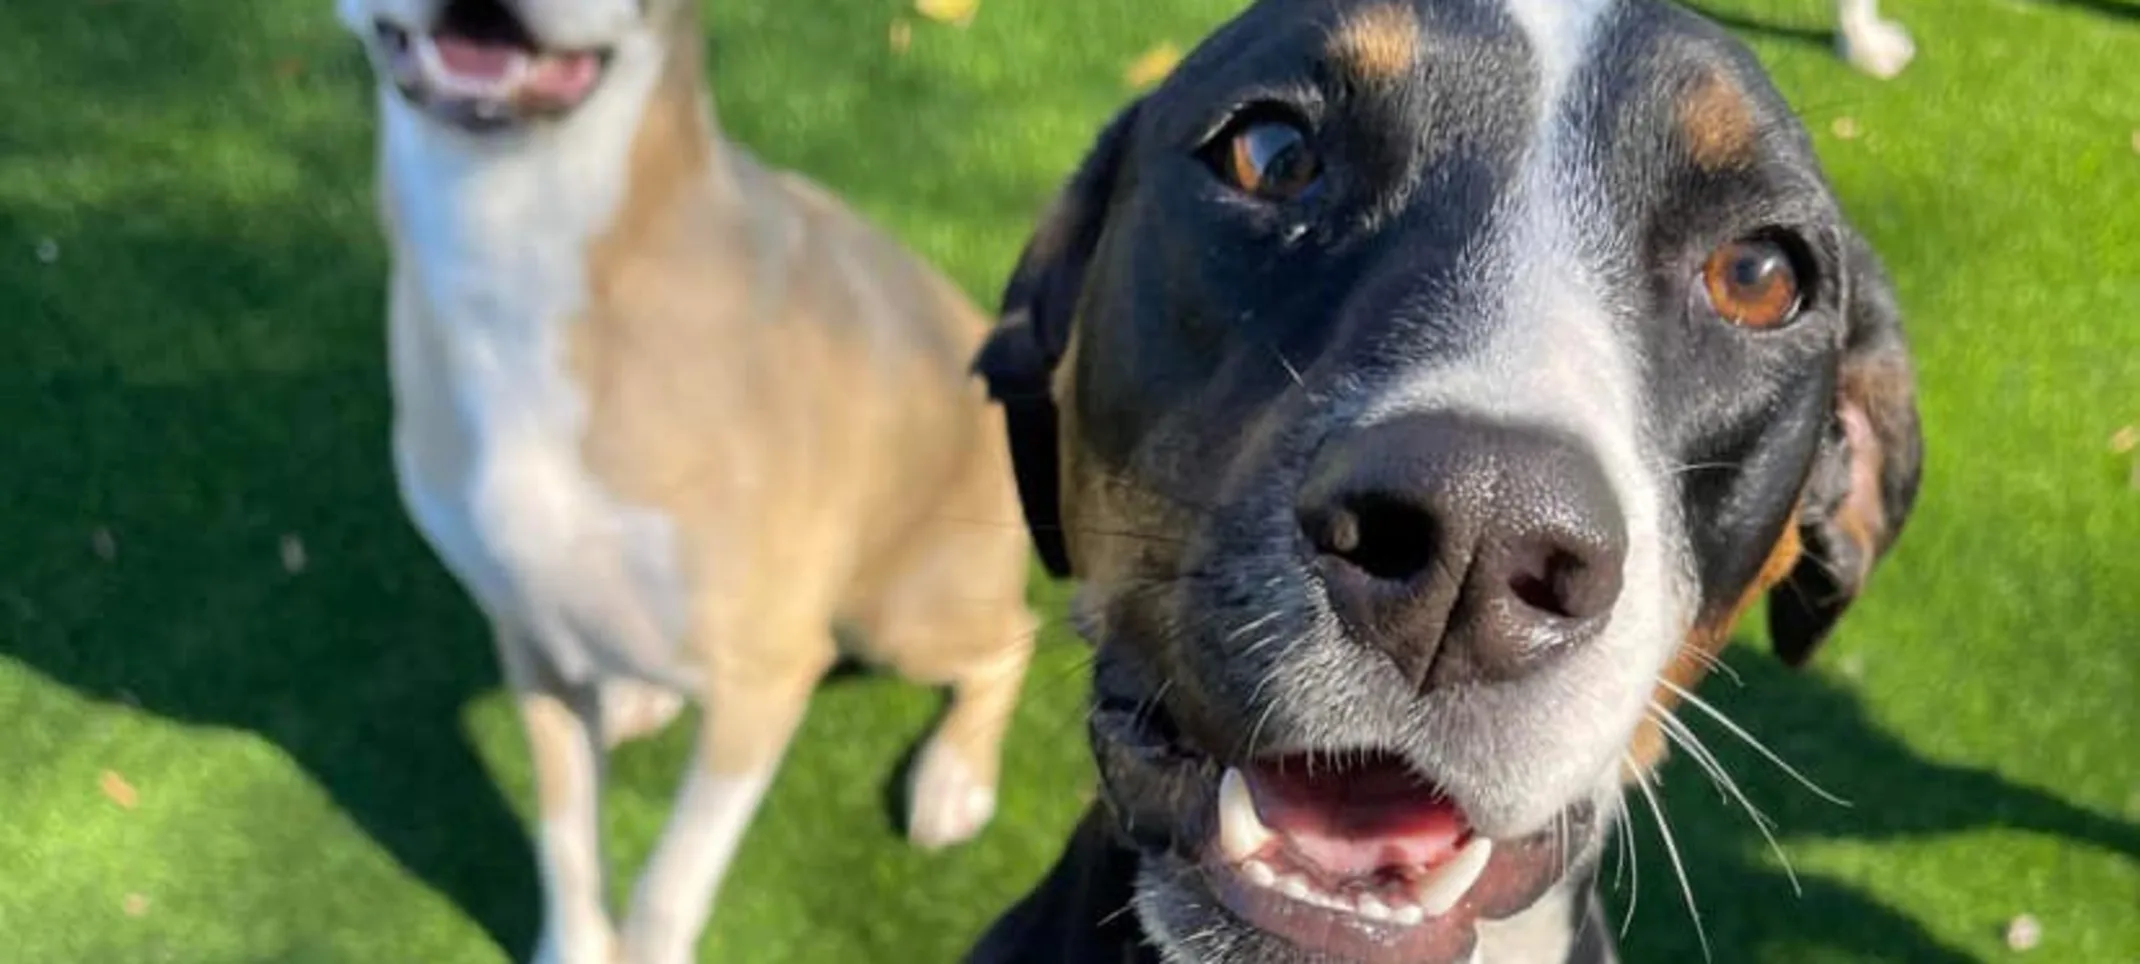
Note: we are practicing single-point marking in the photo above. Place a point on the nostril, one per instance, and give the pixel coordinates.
(1561, 583)
(1386, 538)
(1551, 584)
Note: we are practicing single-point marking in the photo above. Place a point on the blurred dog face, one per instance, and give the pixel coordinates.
(1420, 389)
(491, 64)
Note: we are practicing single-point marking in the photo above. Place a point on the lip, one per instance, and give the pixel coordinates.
(1166, 795)
(484, 84)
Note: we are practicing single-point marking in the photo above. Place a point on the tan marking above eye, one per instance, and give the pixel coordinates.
(1271, 159)
(1717, 124)
(1378, 44)
(1751, 283)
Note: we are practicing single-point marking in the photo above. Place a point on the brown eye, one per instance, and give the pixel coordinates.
(1752, 284)
(1271, 160)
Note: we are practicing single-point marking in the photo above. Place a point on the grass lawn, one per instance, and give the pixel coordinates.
(248, 719)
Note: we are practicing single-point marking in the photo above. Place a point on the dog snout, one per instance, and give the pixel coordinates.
(1463, 550)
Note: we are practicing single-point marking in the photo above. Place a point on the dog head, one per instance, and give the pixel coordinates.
(1419, 390)
(488, 65)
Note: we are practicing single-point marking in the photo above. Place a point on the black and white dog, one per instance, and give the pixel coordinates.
(1420, 390)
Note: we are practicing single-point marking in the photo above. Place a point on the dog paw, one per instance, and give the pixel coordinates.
(632, 709)
(1880, 48)
(949, 802)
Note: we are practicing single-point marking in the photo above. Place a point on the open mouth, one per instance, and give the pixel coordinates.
(481, 67)
(1352, 856)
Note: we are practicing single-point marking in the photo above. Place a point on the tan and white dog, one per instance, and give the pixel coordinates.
(671, 418)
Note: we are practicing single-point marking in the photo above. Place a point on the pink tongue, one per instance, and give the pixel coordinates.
(1359, 820)
(563, 78)
(475, 60)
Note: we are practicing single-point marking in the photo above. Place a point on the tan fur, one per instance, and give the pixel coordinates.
(825, 461)
(1700, 650)
(787, 389)
(1376, 44)
(1716, 123)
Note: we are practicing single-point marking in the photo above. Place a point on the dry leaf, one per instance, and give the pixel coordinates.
(2023, 933)
(135, 905)
(2136, 141)
(2125, 439)
(293, 554)
(1846, 128)
(1153, 66)
(289, 67)
(958, 12)
(902, 36)
(120, 791)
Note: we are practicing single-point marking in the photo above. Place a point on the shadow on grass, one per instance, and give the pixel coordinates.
(1821, 728)
(199, 377)
(146, 525)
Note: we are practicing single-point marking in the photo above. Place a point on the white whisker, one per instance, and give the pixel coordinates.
(1671, 849)
(1748, 738)
(1253, 625)
(1626, 829)
(1679, 733)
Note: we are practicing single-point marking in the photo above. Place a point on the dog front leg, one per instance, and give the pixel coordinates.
(750, 714)
(562, 721)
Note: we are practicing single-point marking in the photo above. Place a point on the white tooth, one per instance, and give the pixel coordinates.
(1447, 884)
(1293, 887)
(523, 65)
(1373, 908)
(1259, 873)
(427, 59)
(1407, 915)
(434, 71)
(1241, 832)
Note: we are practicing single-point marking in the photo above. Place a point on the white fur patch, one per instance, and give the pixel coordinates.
(1557, 358)
(1559, 32)
(676, 894)
(492, 237)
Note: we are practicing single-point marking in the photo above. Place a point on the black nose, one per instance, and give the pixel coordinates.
(1464, 550)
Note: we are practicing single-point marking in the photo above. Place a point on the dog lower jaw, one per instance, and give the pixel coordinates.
(1431, 920)
(1198, 911)
(1202, 877)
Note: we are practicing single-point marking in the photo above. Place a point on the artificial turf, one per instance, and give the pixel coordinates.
(244, 717)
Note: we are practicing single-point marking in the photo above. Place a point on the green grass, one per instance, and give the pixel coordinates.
(325, 771)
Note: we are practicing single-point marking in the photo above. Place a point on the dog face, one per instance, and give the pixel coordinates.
(484, 65)
(1420, 389)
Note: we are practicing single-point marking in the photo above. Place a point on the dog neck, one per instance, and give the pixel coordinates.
(534, 206)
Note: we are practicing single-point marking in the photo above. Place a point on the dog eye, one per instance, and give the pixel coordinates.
(1270, 159)
(1752, 283)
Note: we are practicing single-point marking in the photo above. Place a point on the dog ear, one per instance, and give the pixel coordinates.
(1039, 306)
(1865, 479)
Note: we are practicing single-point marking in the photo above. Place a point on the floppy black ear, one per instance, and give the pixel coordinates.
(1865, 482)
(1039, 305)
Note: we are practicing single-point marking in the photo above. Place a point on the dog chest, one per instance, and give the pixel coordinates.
(491, 273)
(488, 446)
